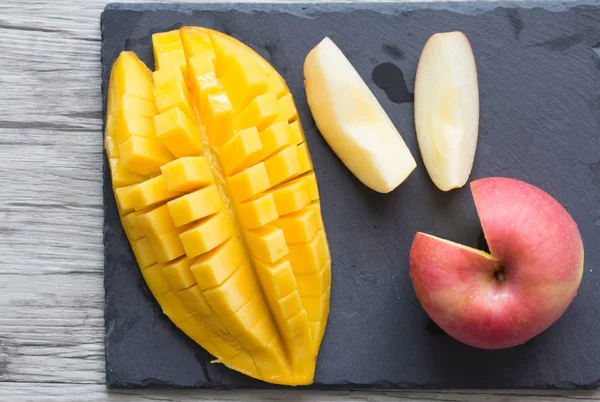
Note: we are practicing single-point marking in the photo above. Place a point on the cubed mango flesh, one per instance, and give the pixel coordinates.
(218, 198)
(178, 133)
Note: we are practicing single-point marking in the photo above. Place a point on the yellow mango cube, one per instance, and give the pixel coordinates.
(243, 80)
(132, 105)
(168, 50)
(299, 227)
(166, 247)
(296, 135)
(187, 173)
(213, 268)
(257, 212)
(297, 325)
(122, 177)
(170, 90)
(178, 133)
(300, 348)
(194, 300)
(266, 243)
(273, 139)
(156, 222)
(178, 273)
(317, 308)
(132, 229)
(315, 206)
(143, 155)
(125, 203)
(223, 47)
(198, 331)
(283, 165)
(276, 85)
(290, 305)
(214, 323)
(217, 117)
(173, 307)
(313, 188)
(166, 79)
(259, 336)
(143, 253)
(127, 125)
(277, 279)
(207, 234)
(291, 196)
(288, 109)
(150, 192)
(112, 147)
(247, 316)
(230, 296)
(314, 284)
(239, 151)
(261, 111)
(130, 76)
(228, 350)
(243, 362)
(304, 158)
(196, 42)
(197, 205)
(249, 182)
(156, 281)
(271, 361)
(202, 70)
(203, 80)
(309, 257)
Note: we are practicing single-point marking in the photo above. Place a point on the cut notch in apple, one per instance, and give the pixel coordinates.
(447, 109)
(353, 122)
(505, 298)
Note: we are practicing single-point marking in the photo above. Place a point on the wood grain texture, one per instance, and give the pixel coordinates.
(51, 289)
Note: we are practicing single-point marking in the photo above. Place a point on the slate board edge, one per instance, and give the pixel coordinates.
(304, 9)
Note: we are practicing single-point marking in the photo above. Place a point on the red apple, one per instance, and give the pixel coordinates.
(505, 298)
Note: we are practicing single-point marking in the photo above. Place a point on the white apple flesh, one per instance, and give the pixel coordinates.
(353, 122)
(447, 109)
(505, 298)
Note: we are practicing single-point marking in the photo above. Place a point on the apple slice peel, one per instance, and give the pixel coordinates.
(505, 298)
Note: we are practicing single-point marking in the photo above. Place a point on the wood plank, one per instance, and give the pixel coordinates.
(20, 392)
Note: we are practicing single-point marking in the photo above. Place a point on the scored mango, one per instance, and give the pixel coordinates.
(218, 198)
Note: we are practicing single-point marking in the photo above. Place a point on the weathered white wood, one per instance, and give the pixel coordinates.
(51, 291)
(20, 392)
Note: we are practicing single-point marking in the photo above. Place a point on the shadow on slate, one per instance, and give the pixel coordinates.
(540, 118)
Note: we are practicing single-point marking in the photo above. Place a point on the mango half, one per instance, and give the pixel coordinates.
(218, 198)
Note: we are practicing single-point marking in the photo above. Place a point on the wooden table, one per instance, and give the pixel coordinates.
(51, 289)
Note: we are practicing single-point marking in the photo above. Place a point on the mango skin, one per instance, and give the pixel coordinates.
(217, 196)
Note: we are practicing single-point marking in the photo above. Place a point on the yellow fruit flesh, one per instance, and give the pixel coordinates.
(217, 196)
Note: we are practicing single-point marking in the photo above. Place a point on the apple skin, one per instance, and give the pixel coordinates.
(535, 243)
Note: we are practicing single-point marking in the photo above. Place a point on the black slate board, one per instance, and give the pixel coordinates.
(540, 122)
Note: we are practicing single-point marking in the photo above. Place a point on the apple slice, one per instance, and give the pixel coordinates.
(447, 109)
(353, 122)
(524, 286)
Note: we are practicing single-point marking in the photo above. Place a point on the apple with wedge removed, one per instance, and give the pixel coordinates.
(353, 122)
(505, 298)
